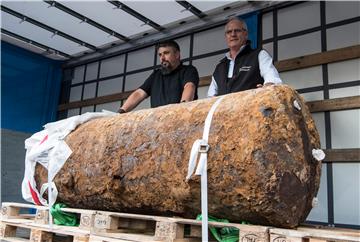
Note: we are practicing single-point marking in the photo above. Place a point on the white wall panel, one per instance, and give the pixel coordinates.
(269, 47)
(344, 71)
(312, 96)
(112, 66)
(206, 66)
(134, 81)
(299, 46)
(267, 25)
(73, 112)
(319, 213)
(346, 193)
(87, 109)
(89, 91)
(78, 74)
(184, 44)
(91, 71)
(113, 106)
(209, 41)
(344, 92)
(340, 10)
(299, 17)
(202, 92)
(303, 78)
(75, 93)
(141, 58)
(143, 105)
(110, 86)
(345, 130)
(343, 36)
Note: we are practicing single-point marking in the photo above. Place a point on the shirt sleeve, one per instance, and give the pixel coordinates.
(191, 75)
(267, 69)
(146, 86)
(213, 89)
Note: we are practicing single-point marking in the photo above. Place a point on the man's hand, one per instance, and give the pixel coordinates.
(265, 85)
(121, 111)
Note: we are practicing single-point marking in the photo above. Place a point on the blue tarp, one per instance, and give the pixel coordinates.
(30, 89)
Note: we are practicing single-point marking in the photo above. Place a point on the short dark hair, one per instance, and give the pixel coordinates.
(168, 43)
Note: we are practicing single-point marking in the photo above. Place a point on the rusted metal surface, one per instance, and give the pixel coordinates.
(260, 164)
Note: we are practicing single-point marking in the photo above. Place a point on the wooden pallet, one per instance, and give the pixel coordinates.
(40, 232)
(104, 226)
(13, 211)
(306, 234)
(156, 228)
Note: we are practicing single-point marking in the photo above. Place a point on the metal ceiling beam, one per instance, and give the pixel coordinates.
(137, 15)
(188, 6)
(37, 44)
(87, 20)
(46, 27)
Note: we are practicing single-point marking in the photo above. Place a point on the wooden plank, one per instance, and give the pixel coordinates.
(205, 81)
(40, 236)
(331, 56)
(42, 216)
(64, 230)
(331, 230)
(169, 231)
(96, 238)
(9, 212)
(94, 101)
(15, 239)
(342, 155)
(7, 230)
(106, 222)
(334, 104)
(124, 237)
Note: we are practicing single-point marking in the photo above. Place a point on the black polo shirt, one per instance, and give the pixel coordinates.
(168, 88)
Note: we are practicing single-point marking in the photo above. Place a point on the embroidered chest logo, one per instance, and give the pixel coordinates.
(245, 68)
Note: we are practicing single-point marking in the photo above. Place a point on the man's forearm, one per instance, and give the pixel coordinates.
(189, 92)
(133, 100)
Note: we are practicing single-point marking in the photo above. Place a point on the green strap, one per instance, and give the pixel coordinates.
(226, 234)
(63, 218)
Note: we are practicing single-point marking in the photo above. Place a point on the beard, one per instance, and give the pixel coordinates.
(166, 67)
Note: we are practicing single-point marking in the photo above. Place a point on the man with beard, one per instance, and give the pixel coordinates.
(173, 82)
(242, 68)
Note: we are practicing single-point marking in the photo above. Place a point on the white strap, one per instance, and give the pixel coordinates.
(201, 146)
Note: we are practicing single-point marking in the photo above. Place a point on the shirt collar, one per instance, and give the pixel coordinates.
(228, 53)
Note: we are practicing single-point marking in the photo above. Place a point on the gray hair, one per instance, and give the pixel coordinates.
(238, 20)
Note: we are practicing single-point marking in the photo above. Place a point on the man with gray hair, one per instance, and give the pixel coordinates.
(242, 68)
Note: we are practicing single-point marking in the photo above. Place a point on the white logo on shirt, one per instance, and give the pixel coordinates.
(245, 68)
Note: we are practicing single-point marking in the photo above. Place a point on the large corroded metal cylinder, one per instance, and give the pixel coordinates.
(260, 164)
